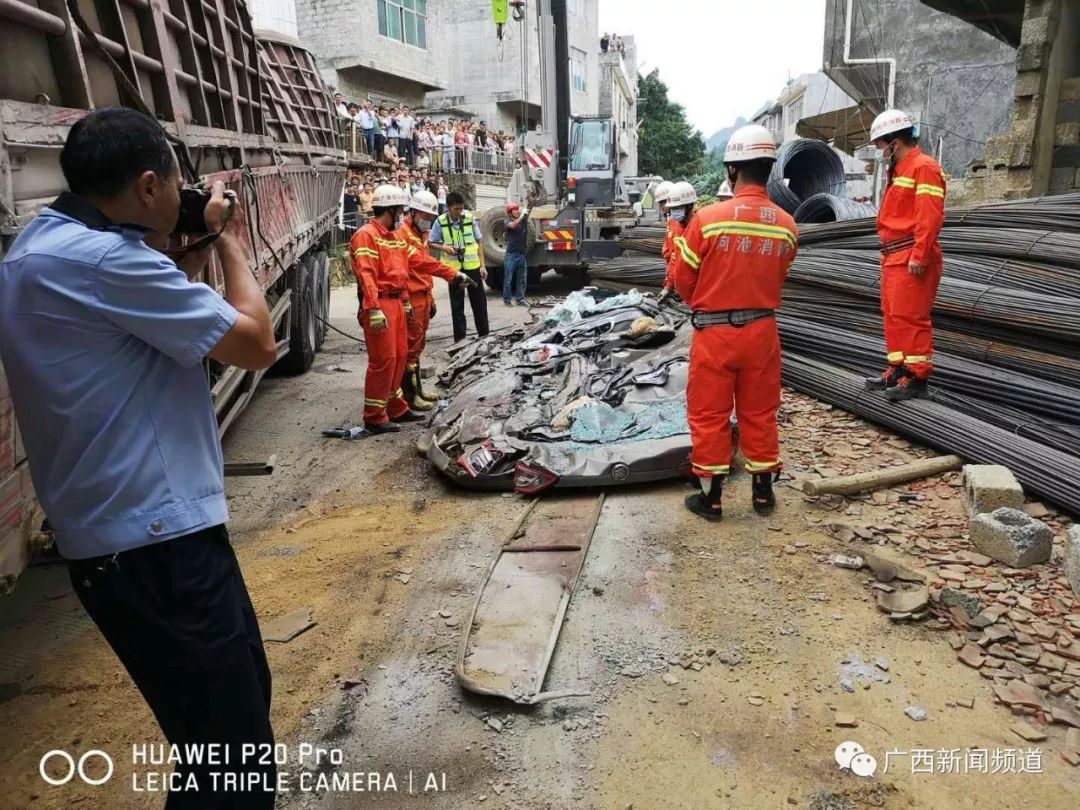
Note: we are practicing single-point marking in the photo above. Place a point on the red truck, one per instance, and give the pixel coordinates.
(246, 108)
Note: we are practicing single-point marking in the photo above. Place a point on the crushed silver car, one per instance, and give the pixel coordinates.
(591, 395)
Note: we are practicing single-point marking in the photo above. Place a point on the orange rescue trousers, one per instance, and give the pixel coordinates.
(906, 302)
(734, 368)
(386, 349)
(418, 326)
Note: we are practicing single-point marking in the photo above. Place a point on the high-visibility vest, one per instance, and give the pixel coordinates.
(460, 235)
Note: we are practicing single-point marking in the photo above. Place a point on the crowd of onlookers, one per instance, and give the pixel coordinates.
(612, 43)
(395, 137)
(360, 189)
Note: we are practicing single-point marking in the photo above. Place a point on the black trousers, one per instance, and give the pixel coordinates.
(478, 302)
(178, 616)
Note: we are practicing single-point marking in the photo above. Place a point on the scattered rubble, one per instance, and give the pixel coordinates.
(916, 713)
(1072, 559)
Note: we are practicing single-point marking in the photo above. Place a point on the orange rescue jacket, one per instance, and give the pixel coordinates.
(735, 254)
(380, 262)
(913, 211)
(422, 267)
(674, 231)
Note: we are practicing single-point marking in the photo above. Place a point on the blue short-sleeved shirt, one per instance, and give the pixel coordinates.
(102, 343)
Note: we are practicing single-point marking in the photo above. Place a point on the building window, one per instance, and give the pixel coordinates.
(793, 113)
(577, 69)
(404, 20)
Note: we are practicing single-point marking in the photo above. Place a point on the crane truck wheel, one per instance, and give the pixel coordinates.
(302, 321)
(493, 227)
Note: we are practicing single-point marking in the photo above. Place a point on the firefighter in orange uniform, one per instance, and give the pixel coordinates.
(732, 261)
(423, 208)
(680, 207)
(380, 262)
(908, 223)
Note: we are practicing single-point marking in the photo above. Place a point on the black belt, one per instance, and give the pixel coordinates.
(897, 245)
(729, 317)
(391, 294)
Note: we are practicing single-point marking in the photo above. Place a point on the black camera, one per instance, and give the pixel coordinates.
(193, 202)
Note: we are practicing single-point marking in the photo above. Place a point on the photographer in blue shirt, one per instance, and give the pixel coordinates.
(103, 343)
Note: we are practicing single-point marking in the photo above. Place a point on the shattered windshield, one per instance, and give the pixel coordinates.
(590, 146)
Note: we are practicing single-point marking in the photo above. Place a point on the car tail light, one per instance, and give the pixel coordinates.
(532, 480)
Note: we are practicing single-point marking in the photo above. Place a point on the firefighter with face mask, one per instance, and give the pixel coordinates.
(380, 262)
(680, 208)
(908, 223)
(731, 263)
(423, 208)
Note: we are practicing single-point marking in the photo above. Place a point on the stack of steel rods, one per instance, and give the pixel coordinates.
(1046, 470)
(1006, 387)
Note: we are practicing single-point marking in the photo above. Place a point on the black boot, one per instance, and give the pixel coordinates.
(409, 416)
(907, 388)
(764, 500)
(707, 503)
(410, 391)
(382, 427)
(887, 379)
(420, 386)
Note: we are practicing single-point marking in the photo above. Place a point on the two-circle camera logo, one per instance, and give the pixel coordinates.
(79, 768)
(851, 755)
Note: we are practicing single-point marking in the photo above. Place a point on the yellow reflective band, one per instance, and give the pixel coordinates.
(934, 191)
(918, 358)
(378, 403)
(398, 393)
(717, 468)
(904, 182)
(366, 252)
(688, 255)
(390, 243)
(896, 357)
(749, 229)
(412, 250)
(758, 466)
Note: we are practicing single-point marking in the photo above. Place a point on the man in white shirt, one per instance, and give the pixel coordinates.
(366, 119)
(405, 130)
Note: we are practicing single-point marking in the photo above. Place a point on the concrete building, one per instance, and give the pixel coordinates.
(811, 98)
(274, 15)
(618, 98)
(443, 55)
(1038, 150)
(955, 79)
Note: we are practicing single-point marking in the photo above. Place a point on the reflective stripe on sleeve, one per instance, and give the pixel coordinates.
(688, 254)
(933, 191)
(904, 182)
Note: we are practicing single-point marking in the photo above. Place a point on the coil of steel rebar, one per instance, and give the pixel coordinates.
(830, 208)
(805, 167)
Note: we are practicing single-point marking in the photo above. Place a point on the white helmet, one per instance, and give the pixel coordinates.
(425, 202)
(663, 191)
(751, 142)
(725, 192)
(388, 196)
(682, 193)
(890, 122)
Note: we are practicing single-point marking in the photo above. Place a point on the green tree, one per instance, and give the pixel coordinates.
(668, 145)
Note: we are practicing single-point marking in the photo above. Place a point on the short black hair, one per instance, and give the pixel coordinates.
(754, 171)
(454, 198)
(112, 146)
(907, 136)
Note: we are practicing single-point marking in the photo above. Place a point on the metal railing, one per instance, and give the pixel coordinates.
(456, 159)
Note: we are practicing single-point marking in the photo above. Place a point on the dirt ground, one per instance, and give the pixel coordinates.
(380, 549)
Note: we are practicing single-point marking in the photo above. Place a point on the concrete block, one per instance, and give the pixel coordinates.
(1062, 180)
(1070, 89)
(1072, 558)
(1068, 112)
(991, 486)
(1066, 156)
(1012, 537)
(1067, 134)
(1031, 56)
(1028, 84)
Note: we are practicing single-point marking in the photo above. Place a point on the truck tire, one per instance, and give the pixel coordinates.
(493, 227)
(302, 320)
(321, 266)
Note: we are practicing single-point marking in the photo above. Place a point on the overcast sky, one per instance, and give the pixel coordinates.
(721, 58)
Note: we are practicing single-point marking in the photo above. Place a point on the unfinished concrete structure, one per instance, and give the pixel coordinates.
(956, 79)
(1038, 152)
